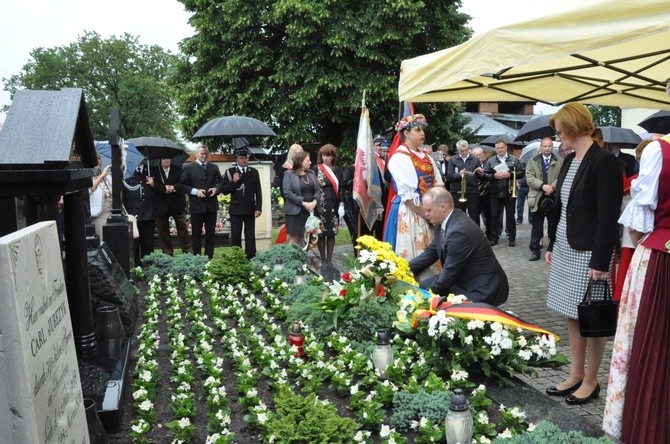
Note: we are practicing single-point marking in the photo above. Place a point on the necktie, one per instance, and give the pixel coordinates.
(204, 166)
(546, 164)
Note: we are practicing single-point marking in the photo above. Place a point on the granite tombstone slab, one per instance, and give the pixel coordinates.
(40, 390)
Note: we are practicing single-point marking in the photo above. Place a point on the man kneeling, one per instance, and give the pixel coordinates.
(469, 266)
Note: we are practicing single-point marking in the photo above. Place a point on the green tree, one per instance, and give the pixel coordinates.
(605, 115)
(302, 65)
(114, 73)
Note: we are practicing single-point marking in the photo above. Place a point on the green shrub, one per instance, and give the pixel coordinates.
(156, 263)
(189, 265)
(361, 322)
(232, 267)
(303, 309)
(546, 432)
(290, 255)
(408, 407)
(160, 264)
(304, 419)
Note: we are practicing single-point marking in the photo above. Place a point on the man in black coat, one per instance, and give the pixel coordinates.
(502, 170)
(464, 164)
(200, 181)
(246, 202)
(170, 203)
(140, 200)
(469, 266)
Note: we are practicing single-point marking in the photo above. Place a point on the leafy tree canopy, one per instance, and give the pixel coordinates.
(605, 115)
(302, 65)
(114, 73)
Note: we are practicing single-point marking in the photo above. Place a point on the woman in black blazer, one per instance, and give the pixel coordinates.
(583, 232)
(301, 193)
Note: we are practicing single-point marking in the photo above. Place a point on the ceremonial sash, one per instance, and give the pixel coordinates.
(325, 169)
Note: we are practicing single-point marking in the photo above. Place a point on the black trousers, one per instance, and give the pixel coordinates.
(537, 230)
(472, 206)
(237, 223)
(163, 228)
(208, 219)
(144, 245)
(508, 205)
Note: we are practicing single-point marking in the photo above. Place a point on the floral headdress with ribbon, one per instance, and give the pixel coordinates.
(415, 120)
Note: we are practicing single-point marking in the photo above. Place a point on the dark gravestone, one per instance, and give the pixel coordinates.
(110, 286)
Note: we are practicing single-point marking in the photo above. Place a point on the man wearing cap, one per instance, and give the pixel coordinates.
(243, 183)
(200, 180)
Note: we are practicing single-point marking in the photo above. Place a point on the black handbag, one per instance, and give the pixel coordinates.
(597, 318)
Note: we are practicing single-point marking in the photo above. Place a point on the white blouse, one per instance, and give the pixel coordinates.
(405, 177)
(639, 214)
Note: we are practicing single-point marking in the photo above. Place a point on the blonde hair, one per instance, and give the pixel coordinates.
(576, 119)
(293, 149)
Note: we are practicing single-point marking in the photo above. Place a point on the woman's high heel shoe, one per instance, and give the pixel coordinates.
(553, 391)
(573, 400)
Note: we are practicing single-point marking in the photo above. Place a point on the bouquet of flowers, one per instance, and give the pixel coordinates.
(312, 230)
(476, 336)
(376, 273)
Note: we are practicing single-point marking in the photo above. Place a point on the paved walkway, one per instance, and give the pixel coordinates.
(527, 299)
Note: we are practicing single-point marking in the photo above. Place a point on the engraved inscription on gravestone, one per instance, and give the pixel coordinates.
(38, 363)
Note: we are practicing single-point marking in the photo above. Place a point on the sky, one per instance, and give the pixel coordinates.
(29, 24)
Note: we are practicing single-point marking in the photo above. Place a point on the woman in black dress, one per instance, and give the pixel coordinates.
(329, 178)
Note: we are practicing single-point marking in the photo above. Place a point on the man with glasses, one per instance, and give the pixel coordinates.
(461, 169)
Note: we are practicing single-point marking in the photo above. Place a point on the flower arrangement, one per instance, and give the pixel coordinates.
(476, 336)
(312, 230)
(380, 257)
(376, 272)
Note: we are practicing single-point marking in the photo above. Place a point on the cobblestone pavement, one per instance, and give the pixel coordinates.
(527, 299)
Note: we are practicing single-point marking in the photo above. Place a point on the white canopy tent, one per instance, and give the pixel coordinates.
(614, 53)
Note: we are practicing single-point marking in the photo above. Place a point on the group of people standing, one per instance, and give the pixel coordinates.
(580, 194)
(154, 195)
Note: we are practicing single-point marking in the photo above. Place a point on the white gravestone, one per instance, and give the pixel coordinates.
(40, 390)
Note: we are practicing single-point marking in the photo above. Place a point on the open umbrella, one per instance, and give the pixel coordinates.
(659, 122)
(535, 128)
(234, 126)
(157, 147)
(132, 156)
(620, 136)
(507, 138)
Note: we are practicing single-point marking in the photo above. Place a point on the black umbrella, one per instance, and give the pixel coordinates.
(234, 126)
(659, 122)
(507, 138)
(535, 128)
(620, 136)
(157, 147)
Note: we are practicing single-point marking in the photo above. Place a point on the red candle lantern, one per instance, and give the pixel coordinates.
(297, 338)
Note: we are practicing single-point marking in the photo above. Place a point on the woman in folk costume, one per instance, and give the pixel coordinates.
(637, 409)
(414, 173)
(330, 206)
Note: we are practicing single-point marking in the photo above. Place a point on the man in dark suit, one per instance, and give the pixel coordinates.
(502, 170)
(469, 266)
(140, 200)
(464, 164)
(200, 181)
(246, 201)
(170, 203)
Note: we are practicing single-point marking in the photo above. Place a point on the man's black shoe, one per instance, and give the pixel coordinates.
(494, 242)
(534, 256)
(512, 243)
